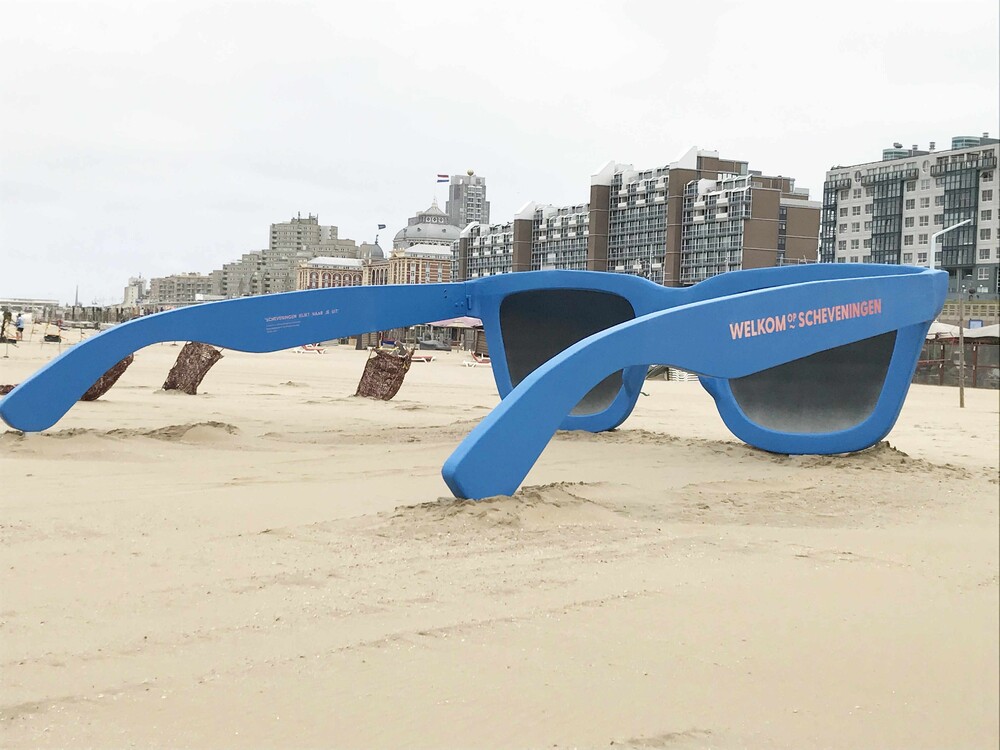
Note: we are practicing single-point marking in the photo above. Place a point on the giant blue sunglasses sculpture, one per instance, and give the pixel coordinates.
(801, 359)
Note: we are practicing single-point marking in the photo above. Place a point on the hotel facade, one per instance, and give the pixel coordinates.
(675, 225)
(887, 211)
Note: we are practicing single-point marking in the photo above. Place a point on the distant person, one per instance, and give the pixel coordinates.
(19, 325)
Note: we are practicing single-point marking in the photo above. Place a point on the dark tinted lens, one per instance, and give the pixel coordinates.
(539, 324)
(825, 392)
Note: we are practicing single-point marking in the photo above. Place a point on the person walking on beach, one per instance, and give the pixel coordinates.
(19, 324)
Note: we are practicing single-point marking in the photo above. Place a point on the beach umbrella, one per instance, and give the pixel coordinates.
(463, 321)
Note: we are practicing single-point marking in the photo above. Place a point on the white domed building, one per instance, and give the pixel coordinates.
(429, 227)
(327, 271)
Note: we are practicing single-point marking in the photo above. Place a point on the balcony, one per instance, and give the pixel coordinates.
(640, 201)
(896, 176)
(957, 166)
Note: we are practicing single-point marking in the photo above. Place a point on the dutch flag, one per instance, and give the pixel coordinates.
(443, 178)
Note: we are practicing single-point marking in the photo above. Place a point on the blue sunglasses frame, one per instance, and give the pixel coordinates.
(280, 321)
(699, 337)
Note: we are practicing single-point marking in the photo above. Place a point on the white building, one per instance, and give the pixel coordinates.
(887, 211)
(429, 227)
(467, 200)
(135, 292)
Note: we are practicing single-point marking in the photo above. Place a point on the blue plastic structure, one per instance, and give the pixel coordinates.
(584, 340)
(818, 367)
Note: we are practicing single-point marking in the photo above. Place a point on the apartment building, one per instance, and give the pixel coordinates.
(135, 292)
(676, 225)
(745, 221)
(887, 211)
(467, 200)
(178, 289)
(547, 237)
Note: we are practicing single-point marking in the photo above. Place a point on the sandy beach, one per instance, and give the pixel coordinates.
(276, 563)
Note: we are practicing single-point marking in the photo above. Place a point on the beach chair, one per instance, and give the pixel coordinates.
(310, 348)
(477, 360)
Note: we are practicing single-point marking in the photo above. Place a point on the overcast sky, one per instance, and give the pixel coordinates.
(162, 137)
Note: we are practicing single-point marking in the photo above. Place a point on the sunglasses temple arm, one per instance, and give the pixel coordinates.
(498, 454)
(255, 324)
(500, 451)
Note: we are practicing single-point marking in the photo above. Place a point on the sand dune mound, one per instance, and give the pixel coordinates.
(360, 432)
(531, 508)
(208, 431)
(194, 432)
(880, 457)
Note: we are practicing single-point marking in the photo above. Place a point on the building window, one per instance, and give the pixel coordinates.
(984, 253)
(939, 181)
(911, 203)
(843, 211)
(868, 226)
(866, 259)
(983, 274)
(841, 260)
(938, 200)
(987, 195)
(925, 184)
(855, 244)
(854, 259)
(907, 257)
(925, 202)
(868, 208)
(985, 234)
(908, 239)
(857, 192)
(842, 245)
(869, 192)
(923, 221)
(866, 243)
(988, 176)
(986, 215)
(855, 210)
(938, 219)
(855, 226)
(921, 257)
(937, 257)
(911, 186)
(841, 228)
(908, 221)
(922, 239)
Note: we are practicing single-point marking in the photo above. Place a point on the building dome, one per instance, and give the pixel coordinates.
(429, 227)
(371, 252)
